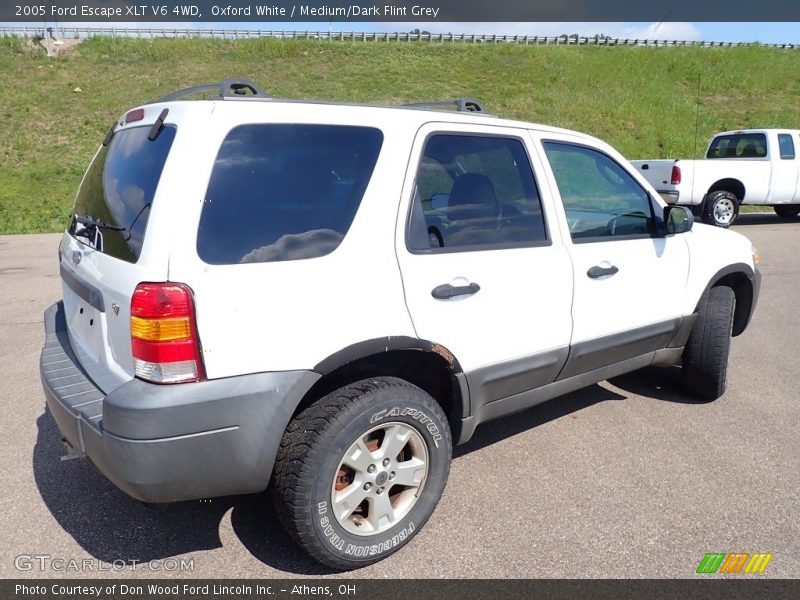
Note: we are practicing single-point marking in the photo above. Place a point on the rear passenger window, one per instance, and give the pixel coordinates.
(601, 199)
(786, 144)
(738, 145)
(285, 192)
(475, 192)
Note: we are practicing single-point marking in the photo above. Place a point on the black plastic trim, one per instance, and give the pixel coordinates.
(446, 291)
(371, 347)
(615, 238)
(530, 398)
(747, 302)
(590, 355)
(494, 382)
(481, 248)
(86, 291)
(682, 332)
(233, 87)
(158, 125)
(109, 135)
(469, 105)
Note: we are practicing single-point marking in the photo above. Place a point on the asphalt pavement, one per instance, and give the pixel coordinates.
(628, 478)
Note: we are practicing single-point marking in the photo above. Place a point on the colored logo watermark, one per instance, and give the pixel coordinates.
(737, 562)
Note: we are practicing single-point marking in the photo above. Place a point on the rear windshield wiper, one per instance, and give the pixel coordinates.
(90, 221)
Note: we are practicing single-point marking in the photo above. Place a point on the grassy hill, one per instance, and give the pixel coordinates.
(641, 100)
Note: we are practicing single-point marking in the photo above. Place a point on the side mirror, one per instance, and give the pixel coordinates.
(678, 219)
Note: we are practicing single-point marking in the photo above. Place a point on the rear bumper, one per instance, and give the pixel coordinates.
(163, 443)
(669, 196)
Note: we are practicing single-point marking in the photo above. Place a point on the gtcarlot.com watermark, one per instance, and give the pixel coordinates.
(48, 562)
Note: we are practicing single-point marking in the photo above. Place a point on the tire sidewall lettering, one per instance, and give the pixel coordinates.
(413, 413)
(354, 547)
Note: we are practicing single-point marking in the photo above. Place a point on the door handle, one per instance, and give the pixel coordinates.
(597, 271)
(445, 291)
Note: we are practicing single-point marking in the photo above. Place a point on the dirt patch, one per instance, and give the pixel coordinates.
(60, 47)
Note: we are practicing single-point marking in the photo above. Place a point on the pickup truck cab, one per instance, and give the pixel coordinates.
(324, 298)
(751, 166)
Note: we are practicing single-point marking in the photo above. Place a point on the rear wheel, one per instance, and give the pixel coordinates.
(705, 358)
(359, 472)
(787, 211)
(721, 208)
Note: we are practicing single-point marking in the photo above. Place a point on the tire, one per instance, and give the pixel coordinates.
(787, 211)
(705, 358)
(720, 208)
(338, 444)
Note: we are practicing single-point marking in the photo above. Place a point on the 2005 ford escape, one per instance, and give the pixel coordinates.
(325, 298)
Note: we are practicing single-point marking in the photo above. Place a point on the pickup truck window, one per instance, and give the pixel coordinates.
(738, 145)
(786, 145)
(601, 199)
(475, 192)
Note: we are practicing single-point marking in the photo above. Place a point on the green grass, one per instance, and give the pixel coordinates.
(641, 100)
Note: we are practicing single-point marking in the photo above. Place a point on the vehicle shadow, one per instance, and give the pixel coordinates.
(111, 527)
(761, 218)
(494, 431)
(658, 383)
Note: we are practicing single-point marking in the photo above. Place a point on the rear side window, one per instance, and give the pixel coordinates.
(738, 145)
(118, 190)
(786, 144)
(475, 192)
(285, 192)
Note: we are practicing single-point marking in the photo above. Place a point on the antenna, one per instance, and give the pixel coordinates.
(696, 117)
(696, 127)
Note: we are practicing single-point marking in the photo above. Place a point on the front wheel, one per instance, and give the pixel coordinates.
(721, 208)
(787, 211)
(360, 471)
(705, 358)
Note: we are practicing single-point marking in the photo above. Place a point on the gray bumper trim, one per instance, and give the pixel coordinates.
(163, 443)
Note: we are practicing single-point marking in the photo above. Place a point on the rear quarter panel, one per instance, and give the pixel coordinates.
(289, 315)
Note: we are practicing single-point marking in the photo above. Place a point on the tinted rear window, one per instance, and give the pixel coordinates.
(118, 189)
(285, 192)
(738, 145)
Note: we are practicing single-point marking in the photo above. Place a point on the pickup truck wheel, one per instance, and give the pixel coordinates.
(360, 471)
(705, 358)
(787, 211)
(720, 208)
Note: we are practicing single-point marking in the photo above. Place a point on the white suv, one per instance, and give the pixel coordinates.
(324, 298)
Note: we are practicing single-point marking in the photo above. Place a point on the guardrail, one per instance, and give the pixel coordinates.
(68, 32)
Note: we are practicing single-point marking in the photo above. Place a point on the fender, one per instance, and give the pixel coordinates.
(746, 295)
(382, 345)
(371, 347)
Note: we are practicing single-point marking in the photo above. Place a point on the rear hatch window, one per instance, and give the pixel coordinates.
(117, 192)
(739, 145)
(285, 192)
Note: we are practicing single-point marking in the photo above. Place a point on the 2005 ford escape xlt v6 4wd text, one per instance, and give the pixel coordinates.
(323, 299)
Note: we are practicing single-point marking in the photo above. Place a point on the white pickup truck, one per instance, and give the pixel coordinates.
(753, 166)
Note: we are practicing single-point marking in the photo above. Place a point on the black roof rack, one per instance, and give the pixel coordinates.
(233, 87)
(461, 104)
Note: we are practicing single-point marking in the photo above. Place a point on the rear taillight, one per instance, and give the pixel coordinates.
(166, 348)
(675, 178)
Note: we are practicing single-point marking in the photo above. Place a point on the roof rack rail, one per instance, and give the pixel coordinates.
(232, 87)
(461, 104)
